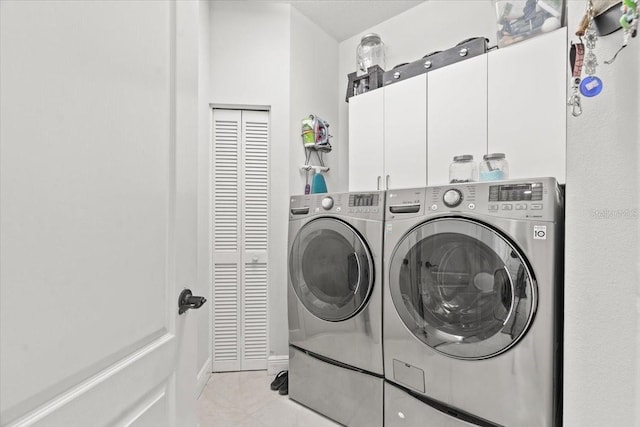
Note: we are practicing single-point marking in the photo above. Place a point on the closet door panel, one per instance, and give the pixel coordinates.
(457, 115)
(405, 133)
(366, 141)
(527, 105)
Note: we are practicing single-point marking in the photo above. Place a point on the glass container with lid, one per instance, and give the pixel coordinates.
(494, 167)
(463, 169)
(369, 52)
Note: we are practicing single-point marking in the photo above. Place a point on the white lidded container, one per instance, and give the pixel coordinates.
(494, 167)
(519, 20)
(463, 169)
(369, 52)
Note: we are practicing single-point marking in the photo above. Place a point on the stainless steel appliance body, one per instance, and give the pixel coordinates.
(402, 409)
(472, 300)
(335, 304)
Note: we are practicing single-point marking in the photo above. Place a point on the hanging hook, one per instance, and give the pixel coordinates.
(609, 62)
(576, 109)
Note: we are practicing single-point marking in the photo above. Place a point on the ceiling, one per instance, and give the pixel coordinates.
(346, 18)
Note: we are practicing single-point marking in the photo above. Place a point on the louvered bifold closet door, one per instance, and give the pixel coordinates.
(255, 132)
(240, 218)
(227, 250)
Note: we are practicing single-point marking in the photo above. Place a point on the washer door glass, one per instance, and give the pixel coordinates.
(330, 269)
(461, 288)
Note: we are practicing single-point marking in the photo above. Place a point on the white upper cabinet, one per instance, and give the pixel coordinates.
(527, 105)
(366, 141)
(457, 115)
(388, 137)
(405, 133)
(511, 100)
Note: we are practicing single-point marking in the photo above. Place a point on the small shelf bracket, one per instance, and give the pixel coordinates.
(318, 169)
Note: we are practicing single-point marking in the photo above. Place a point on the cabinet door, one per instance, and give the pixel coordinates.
(405, 133)
(366, 124)
(456, 114)
(527, 105)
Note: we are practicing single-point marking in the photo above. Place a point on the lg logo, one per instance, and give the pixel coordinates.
(540, 232)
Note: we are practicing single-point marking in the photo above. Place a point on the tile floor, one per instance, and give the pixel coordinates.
(244, 399)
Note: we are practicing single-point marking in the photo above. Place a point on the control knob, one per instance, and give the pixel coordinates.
(327, 203)
(452, 198)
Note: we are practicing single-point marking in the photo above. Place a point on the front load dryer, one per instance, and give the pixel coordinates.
(335, 305)
(472, 303)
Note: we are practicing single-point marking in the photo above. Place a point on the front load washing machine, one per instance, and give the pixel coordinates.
(335, 305)
(472, 302)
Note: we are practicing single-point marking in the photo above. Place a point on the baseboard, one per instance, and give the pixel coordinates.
(276, 364)
(203, 377)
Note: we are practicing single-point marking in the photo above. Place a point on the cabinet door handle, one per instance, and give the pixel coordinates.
(387, 181)
(378, 181)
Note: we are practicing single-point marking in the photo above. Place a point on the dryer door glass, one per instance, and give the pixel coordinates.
(462, 288)
(330, 269)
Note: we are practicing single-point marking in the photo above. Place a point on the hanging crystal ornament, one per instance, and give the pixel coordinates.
(590, 85)
(590, 63)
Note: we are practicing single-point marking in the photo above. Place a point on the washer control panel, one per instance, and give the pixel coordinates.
(535, 199)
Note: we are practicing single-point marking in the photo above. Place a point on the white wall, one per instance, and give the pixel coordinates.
(314, 60)
(266, 53)
(602, 289)
(250, 54)
(203, 286)
(431, 26)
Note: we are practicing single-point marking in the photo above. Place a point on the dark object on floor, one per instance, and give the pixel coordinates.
(280, 379)
(284, 388)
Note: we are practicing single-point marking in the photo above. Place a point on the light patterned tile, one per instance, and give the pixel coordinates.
(244, 399)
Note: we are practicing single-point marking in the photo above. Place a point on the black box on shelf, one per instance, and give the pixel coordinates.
(360, 84)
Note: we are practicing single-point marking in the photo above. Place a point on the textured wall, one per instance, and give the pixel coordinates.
(314, 59)
(602, 291)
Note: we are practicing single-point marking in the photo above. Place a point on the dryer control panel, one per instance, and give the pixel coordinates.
(354, 205)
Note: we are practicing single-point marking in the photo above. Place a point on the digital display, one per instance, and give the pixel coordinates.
(357, 200)
(515, 192)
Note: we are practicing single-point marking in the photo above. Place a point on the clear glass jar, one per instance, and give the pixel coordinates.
(494, 167)
(369, 52)
(463, 169)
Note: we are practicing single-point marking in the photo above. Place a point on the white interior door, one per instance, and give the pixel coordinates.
(240, 218)
(98, 212)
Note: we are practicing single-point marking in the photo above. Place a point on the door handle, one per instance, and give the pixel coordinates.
(187, 301)
(387, 182)
(355, 287)
(378, 181)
